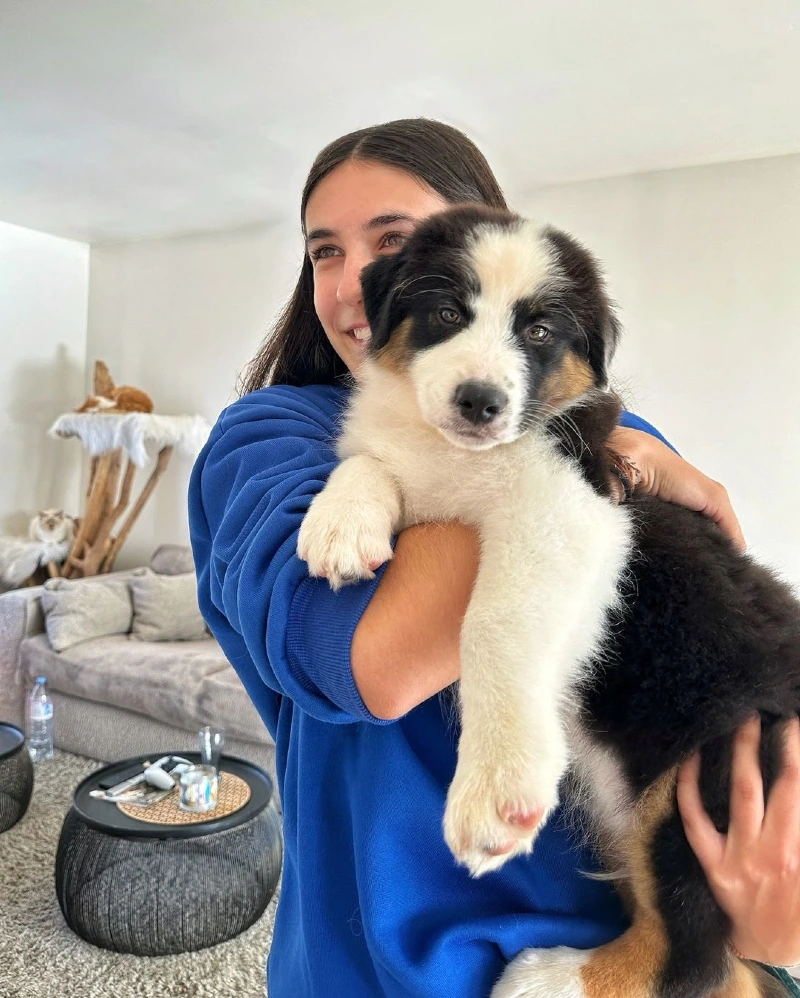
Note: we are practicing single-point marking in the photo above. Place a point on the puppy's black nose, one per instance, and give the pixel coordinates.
(479, 401)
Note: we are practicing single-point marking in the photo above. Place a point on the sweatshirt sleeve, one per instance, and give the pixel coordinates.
(633, 422)
(284, 632)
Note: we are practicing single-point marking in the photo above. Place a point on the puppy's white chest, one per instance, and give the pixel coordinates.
(439, 482)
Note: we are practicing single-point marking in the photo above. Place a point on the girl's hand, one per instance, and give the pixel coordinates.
(661, 472)
(753, 870)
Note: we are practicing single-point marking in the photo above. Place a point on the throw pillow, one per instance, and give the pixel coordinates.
(172, 559)
(165, 607)
(78, 610)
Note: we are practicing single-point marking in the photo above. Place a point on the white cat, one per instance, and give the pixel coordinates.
(52, 526)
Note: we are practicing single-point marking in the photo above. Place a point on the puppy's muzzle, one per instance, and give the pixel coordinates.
(480, 402)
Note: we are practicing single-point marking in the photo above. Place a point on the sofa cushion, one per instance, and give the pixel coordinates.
(186, 683)
(172, 559)
(75, 612)
(165, 607)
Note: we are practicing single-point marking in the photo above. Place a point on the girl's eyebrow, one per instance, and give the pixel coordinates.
(374, 223)
(390, 219)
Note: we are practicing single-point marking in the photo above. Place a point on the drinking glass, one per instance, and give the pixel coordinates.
(211, 742)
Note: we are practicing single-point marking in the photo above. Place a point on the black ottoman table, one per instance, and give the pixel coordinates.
(154, 889)
(16, 776)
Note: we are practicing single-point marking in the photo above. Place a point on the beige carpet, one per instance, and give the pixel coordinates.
(41, 958)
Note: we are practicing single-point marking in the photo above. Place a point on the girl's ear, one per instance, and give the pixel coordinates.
(380, 285)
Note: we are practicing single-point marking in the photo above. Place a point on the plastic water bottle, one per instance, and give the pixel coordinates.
(40, 722)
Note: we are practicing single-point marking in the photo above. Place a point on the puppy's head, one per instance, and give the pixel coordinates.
(497, 323)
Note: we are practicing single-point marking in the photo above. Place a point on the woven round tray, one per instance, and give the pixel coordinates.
(234, 793)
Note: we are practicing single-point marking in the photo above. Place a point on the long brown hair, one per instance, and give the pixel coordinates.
(297, 351)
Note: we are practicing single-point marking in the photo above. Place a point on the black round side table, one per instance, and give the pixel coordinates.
(16, 776)
(155, 889)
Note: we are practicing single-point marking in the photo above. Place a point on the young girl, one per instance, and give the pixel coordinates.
(372, 903)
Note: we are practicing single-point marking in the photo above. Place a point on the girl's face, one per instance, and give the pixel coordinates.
(361, 210)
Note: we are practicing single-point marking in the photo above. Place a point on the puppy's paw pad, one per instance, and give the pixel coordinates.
(486, 823)
(527, 821)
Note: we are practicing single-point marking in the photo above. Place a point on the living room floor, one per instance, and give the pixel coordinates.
(43, 958)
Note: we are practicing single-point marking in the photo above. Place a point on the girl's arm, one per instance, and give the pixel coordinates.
(406, 645)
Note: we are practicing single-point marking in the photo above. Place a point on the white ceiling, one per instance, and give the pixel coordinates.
(131, 119)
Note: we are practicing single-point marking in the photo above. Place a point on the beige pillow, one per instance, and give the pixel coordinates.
(165, 607)
(79, 609)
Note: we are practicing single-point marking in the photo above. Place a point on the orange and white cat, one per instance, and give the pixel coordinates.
(109, 398)
(122, 399)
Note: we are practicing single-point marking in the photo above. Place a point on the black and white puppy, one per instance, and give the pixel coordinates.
(610, 641)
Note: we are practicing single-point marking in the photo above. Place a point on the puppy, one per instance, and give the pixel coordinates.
(610, 641)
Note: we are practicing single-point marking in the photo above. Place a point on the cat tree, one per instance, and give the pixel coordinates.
(118, 444)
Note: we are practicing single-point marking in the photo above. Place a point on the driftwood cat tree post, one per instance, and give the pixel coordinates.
(95, 550)
(117, 441)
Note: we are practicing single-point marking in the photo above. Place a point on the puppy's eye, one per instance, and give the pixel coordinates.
(537, 334)
(449, 316)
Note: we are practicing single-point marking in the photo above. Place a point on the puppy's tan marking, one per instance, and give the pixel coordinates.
(396, 355)
(632, 964)
(572, 379)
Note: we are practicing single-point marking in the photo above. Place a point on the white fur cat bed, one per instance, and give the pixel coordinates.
(133, 432)
(19, 558)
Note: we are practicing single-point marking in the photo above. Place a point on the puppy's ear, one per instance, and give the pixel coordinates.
(603, 331)
(592, 307)
(380, 284)
(612, 331)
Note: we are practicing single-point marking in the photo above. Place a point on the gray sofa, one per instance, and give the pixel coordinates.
(114, 697)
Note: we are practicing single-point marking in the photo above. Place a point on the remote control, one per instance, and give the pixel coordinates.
(113, 778)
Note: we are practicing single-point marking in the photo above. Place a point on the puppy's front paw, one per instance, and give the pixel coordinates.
(343, 540)
(495, 809)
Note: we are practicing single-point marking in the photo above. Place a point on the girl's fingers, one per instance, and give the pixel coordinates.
(719, 508)
(666, 474)
(747, 787)
(782, 819)
(706, 842)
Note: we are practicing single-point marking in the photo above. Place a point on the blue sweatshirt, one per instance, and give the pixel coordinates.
(372, 902)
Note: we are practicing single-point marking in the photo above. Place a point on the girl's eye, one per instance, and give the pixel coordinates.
(393, 240)
(322, 253)
(538, 334)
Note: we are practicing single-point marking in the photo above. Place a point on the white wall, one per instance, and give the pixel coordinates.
(705, 263)
(180, 318)
(43, 303)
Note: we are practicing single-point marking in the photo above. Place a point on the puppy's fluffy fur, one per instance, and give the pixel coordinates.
(609, 641)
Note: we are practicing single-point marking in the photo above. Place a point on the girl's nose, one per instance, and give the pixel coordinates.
(349, 290)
